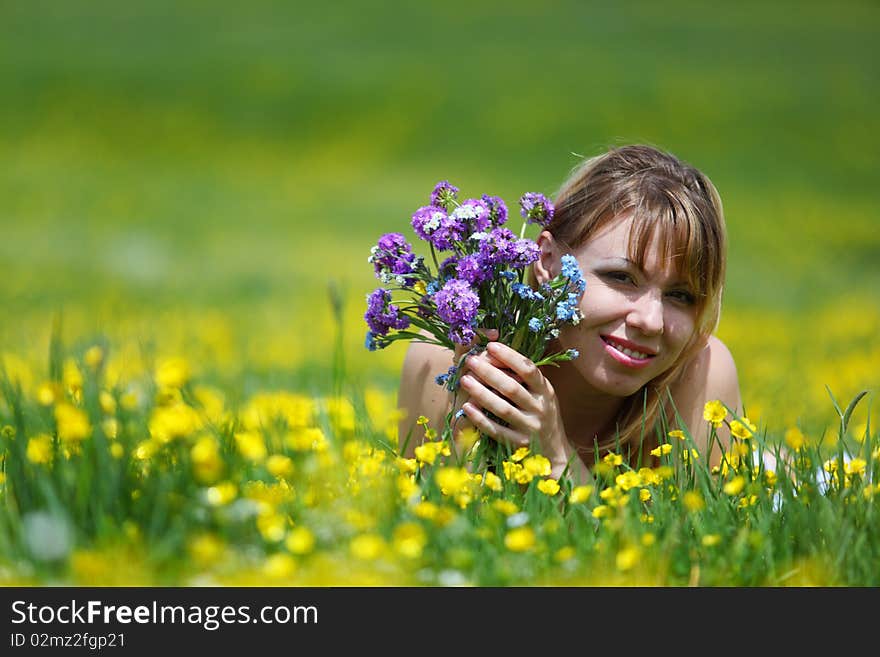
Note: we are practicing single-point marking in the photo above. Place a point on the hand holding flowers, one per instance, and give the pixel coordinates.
(480, 290)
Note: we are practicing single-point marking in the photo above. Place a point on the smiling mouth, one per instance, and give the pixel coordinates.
(632, 353)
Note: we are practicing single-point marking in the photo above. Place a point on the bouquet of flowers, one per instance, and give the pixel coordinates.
(480, 284)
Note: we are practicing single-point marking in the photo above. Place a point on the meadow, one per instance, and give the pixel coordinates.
(188, 196)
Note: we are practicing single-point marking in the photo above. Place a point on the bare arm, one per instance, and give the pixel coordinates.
(711, 375)
(419, 393)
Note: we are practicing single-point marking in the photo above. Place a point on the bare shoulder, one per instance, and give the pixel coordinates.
(710, 375)
(419, 393)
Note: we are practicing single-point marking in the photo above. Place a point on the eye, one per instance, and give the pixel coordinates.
(682, 296)
(619, 276)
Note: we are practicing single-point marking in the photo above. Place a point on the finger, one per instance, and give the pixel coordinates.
(505, 382)
(524, 367)
(479, 394)
(497, 432)
(462, 349)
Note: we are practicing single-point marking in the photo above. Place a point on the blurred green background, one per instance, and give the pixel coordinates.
(195, 175)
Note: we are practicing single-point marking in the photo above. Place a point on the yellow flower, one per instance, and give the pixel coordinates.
(537, 465)
(742, 430)
(613, 459)
(650, 477)
(795, 439)
(770, 478)
(73, 423)
(711, 540)
(206, 462)
(492, 481)
(855, 467)
(300, 540)
(279, 566)
(714, 412)
(206, 549)
(627, 558)
(565, 553)
(305, 439)
(175, 420)
(367, 546)
(72, 377)
(426, 510)
(409, 540)
(644, 495)
(519, 454)
(221, 494)
(548, 487)
(466, 439)
(279, 466)
(47, 393)
(505, 507)
(662, 450)
(407, 486)
(688, 455)
(580, 494)
(94, 356)
(428, 452)
(172, 372)
(110, 427)
(251, 445)
(408, 466)
(677, 433)
(452, 480)
(693, 501)
(39, 449)
(648, 539)
(735, 485)
(628, 480)
(521, 539)
(272, 525)
(602, 511)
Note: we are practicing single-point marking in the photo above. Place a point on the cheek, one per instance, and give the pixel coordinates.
(601, 302)
(678, 329)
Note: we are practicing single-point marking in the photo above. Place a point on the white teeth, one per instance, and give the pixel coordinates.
(628, 352)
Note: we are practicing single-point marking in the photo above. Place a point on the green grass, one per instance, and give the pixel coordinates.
(191, 177)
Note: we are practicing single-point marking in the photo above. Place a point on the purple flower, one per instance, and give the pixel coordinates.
(392, 258)
(462, 334)
(536, 208)
(381, 315)
(457, 303)
(443, 195)
(524, 252)
(472, 216)
(497, 210)
(471, 269)
(426, 220)
(440, 229)
(497, 248)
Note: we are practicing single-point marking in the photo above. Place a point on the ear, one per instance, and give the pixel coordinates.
(548, 265)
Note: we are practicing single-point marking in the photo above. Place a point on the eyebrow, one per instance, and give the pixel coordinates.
(626, 262)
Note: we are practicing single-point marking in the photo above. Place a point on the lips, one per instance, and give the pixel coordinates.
(628, 353)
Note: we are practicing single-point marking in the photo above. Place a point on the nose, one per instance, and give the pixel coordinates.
(646, 313)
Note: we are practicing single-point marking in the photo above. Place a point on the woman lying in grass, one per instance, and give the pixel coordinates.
(648, 232)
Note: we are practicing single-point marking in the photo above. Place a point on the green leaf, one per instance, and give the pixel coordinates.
(851, 408)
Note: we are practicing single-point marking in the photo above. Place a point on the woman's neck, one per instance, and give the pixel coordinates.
(588, 414)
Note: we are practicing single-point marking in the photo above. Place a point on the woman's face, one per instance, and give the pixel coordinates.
(636, 323)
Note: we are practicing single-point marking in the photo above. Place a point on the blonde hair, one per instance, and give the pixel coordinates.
(678, 204)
